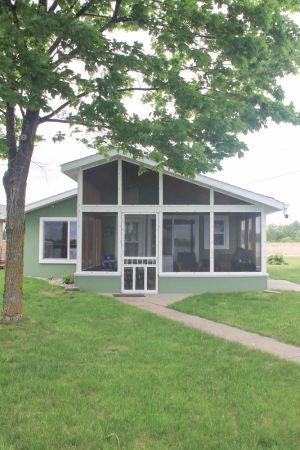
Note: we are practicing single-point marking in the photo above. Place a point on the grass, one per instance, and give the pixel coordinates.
(275, 315)
(83, 371)
(289, 272)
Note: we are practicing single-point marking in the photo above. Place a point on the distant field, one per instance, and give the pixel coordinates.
(284, 248)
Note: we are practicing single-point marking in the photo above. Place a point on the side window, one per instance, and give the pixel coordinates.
(59, 239)
(221, 232)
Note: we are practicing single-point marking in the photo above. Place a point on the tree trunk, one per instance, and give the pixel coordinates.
(15, 181)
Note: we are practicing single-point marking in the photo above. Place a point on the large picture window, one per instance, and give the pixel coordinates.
(58, 240)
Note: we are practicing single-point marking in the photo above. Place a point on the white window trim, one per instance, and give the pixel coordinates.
(225, 246)
(67, 260)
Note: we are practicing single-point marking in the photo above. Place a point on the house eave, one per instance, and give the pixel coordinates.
(51, 200)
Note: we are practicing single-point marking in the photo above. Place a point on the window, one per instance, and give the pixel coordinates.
(221, 232)
(100, 242)
(58, 240)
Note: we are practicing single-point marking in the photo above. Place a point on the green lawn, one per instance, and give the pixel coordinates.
(275, 315)
(86, 372)
(290, 271)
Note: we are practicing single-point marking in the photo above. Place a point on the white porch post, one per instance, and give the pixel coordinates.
(211, 233)
(119, 181)
(263, 243)
(211, 240)
(79, 222)
(160, 226)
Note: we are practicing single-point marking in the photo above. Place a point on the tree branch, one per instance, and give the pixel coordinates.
(113, 18)
(44, 3)
(81, 11)
(66, 122)
(84, 8)
(137, 89)
(60, 108)
(53, 6)
(120, 20)
(13, 9)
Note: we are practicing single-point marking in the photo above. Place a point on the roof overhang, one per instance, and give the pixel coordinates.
(51, 200)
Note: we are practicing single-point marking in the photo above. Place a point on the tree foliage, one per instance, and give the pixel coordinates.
(284, 233)
(208, 72)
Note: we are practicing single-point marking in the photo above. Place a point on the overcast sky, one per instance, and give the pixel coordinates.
(270, 167)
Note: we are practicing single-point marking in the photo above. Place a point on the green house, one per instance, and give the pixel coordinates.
(133, 231)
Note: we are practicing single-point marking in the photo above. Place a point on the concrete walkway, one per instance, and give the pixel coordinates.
(283, 285)
(157, 304)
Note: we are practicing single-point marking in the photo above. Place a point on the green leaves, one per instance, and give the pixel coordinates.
(199, 75)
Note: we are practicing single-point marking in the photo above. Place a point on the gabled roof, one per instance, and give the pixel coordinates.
(73, 168)
(51, 200)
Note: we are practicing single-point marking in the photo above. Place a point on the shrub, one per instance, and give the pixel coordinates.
(276, 260)
(69, 278)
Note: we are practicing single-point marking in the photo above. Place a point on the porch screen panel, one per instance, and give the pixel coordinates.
(99, 242)
(139, 189)
(140, 235)
(100, 185)
(223, 199)
(180, 192)
(184, 248)
(237, 242)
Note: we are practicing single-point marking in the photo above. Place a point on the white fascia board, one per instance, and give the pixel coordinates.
(72, 168)
(272, 205)
(50, 200)
(254, 197)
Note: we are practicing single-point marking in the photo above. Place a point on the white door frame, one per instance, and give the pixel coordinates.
(139, 258)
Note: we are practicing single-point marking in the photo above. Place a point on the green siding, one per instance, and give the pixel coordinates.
(99, 283)
(211, 284)
(32, 267)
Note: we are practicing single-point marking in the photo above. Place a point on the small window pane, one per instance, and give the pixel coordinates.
(179, 192)
(138, 189)
(139, 278)
(55, 239)
(219, 239)
(151, 278)
(128, 278)
(100, 185)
